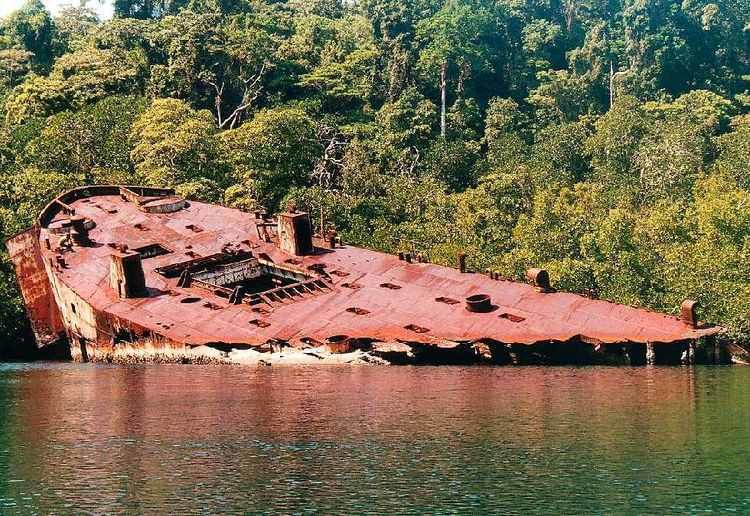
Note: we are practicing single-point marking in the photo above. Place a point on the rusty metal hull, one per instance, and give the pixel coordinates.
(360, 294)
(36, 287)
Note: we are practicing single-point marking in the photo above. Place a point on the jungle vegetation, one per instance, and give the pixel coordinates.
(607, 141)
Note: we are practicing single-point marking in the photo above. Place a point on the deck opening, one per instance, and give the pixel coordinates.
(390, 286)
(190, 300)
(255, 278)
(243, 278)
(152, 250)
(447, 300)
(262, 283)
(512, 318)
(260, 323)
(479, 303)
(357, 311)
(416, 329)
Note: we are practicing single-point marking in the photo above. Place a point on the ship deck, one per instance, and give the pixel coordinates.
(370, 294)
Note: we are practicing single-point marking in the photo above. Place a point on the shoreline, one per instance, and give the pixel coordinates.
(397, 353)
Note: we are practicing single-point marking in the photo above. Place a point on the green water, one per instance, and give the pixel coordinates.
(207, 440)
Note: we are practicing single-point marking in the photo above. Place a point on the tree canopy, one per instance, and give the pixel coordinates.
(608, 142)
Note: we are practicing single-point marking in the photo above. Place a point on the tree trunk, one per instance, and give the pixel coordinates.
(442, 98)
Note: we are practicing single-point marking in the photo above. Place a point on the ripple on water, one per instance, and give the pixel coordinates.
(189, 439)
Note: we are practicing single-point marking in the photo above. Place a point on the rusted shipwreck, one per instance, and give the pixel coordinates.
(114, 271)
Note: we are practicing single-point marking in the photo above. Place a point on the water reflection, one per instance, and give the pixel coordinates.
(514, 440)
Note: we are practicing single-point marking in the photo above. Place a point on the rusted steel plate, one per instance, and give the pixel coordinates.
(358, 306)
(42, 310)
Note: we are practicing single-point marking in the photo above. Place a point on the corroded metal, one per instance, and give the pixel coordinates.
(41, 307)
(323, 292)
(688, 312)
(540, 279)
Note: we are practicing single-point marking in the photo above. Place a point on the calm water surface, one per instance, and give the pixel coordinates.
(188, 439)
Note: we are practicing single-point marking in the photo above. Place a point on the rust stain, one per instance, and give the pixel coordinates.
(25, 252)
(391, 299)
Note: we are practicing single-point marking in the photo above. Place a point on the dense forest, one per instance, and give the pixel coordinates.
(607, 141)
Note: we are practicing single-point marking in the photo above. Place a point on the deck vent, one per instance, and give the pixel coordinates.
(357, 311)
(688, 313)
(540, 279)
(151, 251)
(462, 262)
(479, 303)
(390, 286)
(416, 329)
(447, 300)
(512, 318)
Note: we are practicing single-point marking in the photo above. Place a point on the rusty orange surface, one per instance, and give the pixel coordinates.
(522, 314)
(41, 308)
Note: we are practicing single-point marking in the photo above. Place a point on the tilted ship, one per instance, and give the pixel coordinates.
(114, 271)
